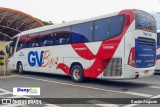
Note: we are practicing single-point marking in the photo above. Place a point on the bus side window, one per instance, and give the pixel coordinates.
(62, 38)
(101, 30)
(33, 43)
(116, 24)
(46, 39)
(85, 30)
(78, 38)
(33, 40)
(22, 43)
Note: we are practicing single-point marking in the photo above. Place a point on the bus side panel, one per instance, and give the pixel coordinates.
(72, 60)
(115, 67)
(19, 56)
(32, 60)
(158, 59)
(53, 63)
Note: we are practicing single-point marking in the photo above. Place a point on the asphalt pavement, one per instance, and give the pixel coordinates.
(60, 91)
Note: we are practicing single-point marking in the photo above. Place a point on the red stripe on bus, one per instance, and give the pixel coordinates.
(83, 51)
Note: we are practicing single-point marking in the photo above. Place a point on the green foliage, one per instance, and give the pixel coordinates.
(47, 23)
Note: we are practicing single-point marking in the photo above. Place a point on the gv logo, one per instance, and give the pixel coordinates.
(33, 58)
(43, 60)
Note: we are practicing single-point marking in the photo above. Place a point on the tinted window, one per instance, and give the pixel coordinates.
(85, 30)
(12, 46)
(33, 40)
(144, 21)
(46, 39)
(116, 25)
(78, 38)
(22, 43)
(62, 38)
(101, 30)
(158, 39)
(109, 27)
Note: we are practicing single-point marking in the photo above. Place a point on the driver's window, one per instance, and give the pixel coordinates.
(22, 43)
(12, 46)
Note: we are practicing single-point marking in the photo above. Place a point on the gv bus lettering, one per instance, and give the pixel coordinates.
(42, 60)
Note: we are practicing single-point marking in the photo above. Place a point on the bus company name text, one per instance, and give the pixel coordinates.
(42, 60)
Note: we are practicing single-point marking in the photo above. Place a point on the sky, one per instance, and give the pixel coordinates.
(70, 10)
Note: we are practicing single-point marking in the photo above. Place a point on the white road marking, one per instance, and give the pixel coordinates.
(155, 87)
(107, 105)
(102, 104)
(94, 88)
(9, 76)
(16, 97)
(132, 105)
(139, 94)
(11, 105)
(158, 96)
(4, 93)
(51, 105)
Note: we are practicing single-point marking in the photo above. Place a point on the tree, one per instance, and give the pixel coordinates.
(47, 23)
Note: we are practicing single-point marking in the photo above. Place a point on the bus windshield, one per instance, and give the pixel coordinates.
(145, 21)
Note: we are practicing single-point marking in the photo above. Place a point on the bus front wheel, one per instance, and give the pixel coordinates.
(20, 68)
(77, 74)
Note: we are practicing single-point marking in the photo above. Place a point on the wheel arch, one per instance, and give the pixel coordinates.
(18, 62)
(75, 63)
(77, 77)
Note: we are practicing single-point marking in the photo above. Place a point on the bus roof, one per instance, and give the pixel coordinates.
(50, 27)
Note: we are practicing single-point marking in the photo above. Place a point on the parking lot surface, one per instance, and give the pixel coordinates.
(90, 93)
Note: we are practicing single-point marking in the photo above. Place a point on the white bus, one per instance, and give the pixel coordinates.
(158, 53)
(121, 45)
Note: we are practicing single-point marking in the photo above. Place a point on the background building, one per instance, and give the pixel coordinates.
(13, 22)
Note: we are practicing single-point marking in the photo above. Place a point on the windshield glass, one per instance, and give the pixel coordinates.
(145, 21)
(11, 46)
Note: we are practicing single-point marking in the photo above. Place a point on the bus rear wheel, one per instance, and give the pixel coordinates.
(20, 68)
(77, 74)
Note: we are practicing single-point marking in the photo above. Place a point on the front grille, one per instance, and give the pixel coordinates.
(112, 67)
(146, 41)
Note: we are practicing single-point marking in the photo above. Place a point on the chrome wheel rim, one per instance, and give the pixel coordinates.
(76, 74)
(20, 68)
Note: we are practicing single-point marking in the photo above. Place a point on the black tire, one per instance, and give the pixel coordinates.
(20, 68)
(77, 74)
